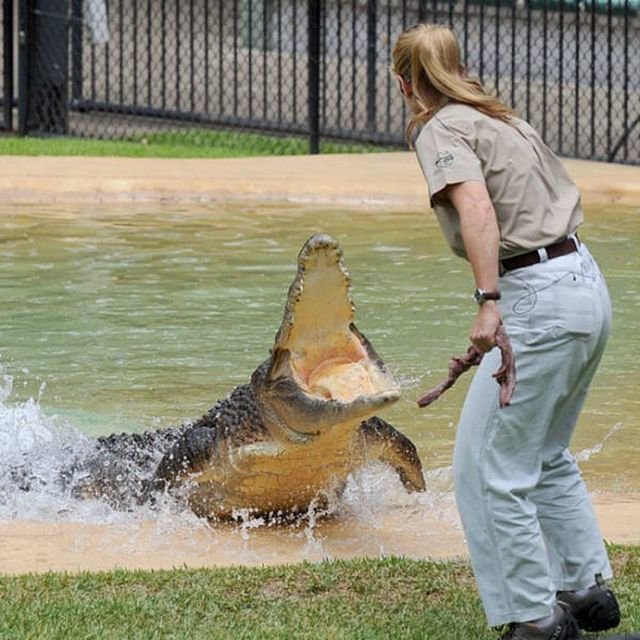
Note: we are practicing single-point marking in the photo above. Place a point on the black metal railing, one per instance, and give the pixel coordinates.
(318, 68)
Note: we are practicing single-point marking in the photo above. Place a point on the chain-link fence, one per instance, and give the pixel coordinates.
(317, 69)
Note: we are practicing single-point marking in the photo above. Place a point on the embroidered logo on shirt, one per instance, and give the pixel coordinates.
(444, 159)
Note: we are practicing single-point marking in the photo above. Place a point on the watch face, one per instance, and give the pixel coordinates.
(478, 296)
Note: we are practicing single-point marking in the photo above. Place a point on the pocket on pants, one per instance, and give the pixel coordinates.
(566, 309)
(576, 307)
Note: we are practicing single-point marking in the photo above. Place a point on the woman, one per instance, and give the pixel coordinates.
(506, 204)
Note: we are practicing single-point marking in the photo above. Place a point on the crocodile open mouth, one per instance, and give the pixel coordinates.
(327, 357)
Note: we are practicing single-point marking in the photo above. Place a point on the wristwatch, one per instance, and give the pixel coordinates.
(481, 296)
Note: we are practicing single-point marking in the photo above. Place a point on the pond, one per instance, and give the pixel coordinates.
(125, 320)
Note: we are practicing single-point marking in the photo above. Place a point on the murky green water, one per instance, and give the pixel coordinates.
(129, 320)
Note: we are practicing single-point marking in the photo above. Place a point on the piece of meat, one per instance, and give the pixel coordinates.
(505, 376)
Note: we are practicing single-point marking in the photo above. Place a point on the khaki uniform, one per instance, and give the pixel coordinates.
(526, 512)
(536, 201)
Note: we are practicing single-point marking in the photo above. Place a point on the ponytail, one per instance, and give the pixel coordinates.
(428, 58)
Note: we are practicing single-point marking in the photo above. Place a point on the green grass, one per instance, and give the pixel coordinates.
(361, 599)
(188, 143)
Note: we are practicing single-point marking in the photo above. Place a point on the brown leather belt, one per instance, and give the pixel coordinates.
(555, 250)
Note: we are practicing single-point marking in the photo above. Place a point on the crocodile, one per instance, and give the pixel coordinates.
(284, 441)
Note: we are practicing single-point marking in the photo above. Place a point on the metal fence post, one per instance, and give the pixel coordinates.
(372, 21)
(76, 51)
(43, 99)
(7, 53)
(314, 9)
(24, 33)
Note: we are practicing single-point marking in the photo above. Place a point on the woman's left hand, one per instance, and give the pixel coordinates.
(483, 332)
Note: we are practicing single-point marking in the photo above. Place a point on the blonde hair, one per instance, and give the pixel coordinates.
(427, 57)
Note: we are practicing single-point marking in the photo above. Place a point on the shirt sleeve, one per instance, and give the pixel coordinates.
(446, 157)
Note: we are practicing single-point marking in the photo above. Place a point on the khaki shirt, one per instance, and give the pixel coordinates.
(536, 201)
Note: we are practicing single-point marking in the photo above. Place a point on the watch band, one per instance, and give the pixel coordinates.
(481, 296)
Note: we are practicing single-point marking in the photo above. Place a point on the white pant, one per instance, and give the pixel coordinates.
(527, 516)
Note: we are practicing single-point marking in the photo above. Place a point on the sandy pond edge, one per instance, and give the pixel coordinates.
(391, 180)
(30, 546)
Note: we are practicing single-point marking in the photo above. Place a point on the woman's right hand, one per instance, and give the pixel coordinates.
(483, 332)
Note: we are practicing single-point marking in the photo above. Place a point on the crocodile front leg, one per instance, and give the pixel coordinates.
(384, 443)
(189, 455)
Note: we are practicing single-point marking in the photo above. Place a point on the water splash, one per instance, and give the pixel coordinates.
(33, 449)
(586, 454)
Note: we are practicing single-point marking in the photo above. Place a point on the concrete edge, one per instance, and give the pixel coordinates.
(361, 181)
